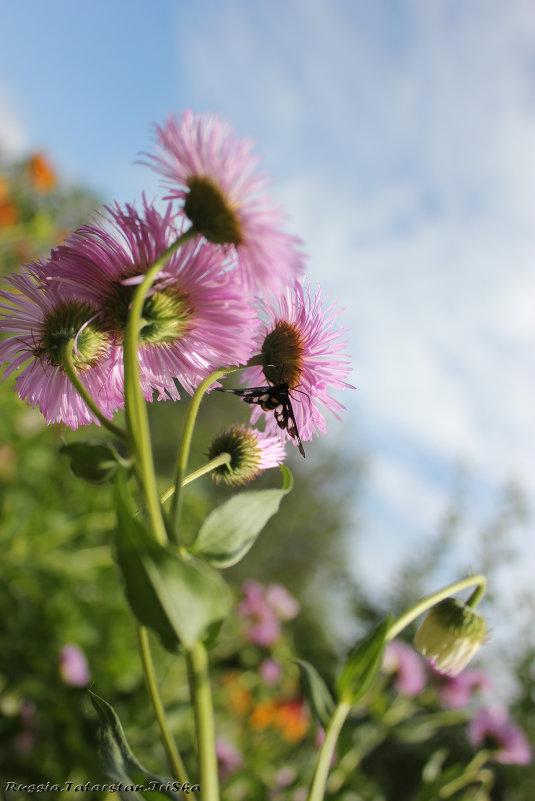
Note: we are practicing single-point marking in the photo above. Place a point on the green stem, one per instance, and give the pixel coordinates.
(136, 408)
(223, 458)
(185, 444)
(325, 755)
(431, 600)
(68, 365)
(471, 774)
(177, 766)
(204, 719)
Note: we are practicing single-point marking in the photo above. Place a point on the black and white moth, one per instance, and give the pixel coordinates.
(274, 399)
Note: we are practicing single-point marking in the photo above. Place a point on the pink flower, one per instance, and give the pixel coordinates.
(40, 319)
(262, 624)
(457, 691)
(400, 659)
(270, 671)
(284, 604)
(73, 666)
(263, 610)
(494, 730)
(196, 317)
(301, 350)
(229, 758)
(212, 172)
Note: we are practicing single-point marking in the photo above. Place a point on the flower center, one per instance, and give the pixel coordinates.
(66, 323)
(282, 352)
(211, 213)
(166, 314)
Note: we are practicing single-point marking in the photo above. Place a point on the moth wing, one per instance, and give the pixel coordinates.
(251, 395)
(284, 415)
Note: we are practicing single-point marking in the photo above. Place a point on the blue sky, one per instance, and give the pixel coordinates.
(400, 139)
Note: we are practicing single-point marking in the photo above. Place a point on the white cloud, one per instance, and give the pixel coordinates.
(13, 136)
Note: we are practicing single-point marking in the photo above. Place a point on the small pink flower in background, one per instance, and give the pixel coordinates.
(263, 609)
(455, 692)
(285, 776)
(229, 758)
(196, 317)
(284, 604)
(410, 677)
(300, 348)
(494, 730)
(262, 625)
(40, 320)
(73, 666)
(212, 171)
(271, 671)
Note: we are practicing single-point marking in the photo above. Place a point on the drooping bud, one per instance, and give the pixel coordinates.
(250, 452)
(450, 635)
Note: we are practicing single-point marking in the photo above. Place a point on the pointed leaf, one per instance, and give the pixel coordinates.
(230, 531)
(181, 598)
(95, 462)
(316, 692)
(362, 664)
(116, 757)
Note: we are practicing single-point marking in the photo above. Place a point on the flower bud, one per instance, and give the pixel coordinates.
(250, 451)
(450, 635)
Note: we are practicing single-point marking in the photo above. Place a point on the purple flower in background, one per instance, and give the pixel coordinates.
(284, 604)
(271, 671)
(196, 317)
(73, 666)
(262, 625)
(494, 730)
(263, 609)
(229, 758)
(455, 692)
(400, 659)
(41, 320)
(299, 348)
(213, 173)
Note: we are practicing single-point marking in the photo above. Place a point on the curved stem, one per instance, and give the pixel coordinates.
(325, 755)
(223, 458)
(177, 766)
(426, 603)
(70, 370)
(185, 444)
(136, 408)
(204, 718)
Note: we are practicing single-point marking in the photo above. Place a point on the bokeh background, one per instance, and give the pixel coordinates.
(400, 141)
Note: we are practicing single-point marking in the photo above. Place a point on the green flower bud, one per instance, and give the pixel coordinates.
(450, 635)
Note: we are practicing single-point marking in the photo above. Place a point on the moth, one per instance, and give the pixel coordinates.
(274, 399)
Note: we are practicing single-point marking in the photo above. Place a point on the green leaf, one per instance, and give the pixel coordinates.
(95, 462)
(116, 757)
(316, 692)
(362, 664)
(179, 597)
(230, 531)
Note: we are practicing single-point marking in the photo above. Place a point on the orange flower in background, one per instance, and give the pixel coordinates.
(240, 699)
(41, 173)
(292, 719)
(263, 715)
(4, 187)
(9, 213)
